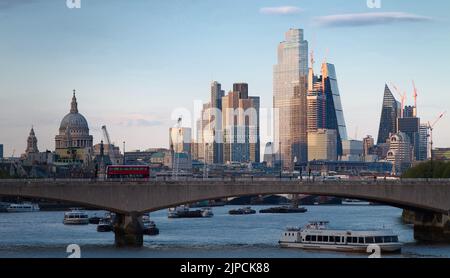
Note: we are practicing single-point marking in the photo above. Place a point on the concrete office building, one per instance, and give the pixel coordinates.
(322, 145)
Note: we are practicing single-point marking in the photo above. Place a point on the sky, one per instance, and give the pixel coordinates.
(133, 63)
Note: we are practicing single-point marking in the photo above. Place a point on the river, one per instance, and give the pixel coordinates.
(42, 235)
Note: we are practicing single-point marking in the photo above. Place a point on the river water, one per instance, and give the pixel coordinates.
(42, 234)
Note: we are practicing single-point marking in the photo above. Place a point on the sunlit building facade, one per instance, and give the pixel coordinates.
(290, 72)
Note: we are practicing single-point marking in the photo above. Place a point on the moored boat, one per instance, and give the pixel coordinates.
(207, 212)
(149, 226)
(184, 212)
(104, 225)
(317, 236)
(242, 211)
(353, 202)
(284, 209)
(23, 207)
(76, 217)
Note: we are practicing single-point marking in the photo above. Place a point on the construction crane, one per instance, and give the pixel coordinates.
(111, 153)
(431, 127)
(415, 98)
(402, 97)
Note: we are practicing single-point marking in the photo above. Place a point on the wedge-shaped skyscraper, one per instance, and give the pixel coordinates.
(389, 114)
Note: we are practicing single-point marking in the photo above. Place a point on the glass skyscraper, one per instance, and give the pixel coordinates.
(389, 114)
(334, 113)
(289, 89)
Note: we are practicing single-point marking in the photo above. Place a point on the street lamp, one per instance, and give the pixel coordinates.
(124, 153)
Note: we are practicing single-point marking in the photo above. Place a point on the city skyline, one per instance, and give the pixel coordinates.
(132, 85)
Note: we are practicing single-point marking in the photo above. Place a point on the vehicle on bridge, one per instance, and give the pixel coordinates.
(317, 236)
(127, 172)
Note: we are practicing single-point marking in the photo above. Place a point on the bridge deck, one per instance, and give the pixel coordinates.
(140, 196)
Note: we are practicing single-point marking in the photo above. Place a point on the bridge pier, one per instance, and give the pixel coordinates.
(428, 226)
(128, 230)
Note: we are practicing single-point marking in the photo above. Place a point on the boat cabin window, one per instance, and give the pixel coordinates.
(369, 240)
(360, 240)
(378, 239)
(308, 238)
(319, 238)
(331, 238)
(390, 239)
(313, 238)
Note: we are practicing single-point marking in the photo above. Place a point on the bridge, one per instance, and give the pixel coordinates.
(430, 199)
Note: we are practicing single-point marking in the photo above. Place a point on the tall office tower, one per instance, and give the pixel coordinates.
(240, 120)
(399, 153)
(242, 88)
(180, 140)
(334, 114)
(291, 67)
(389, 113)
(197, 149)
(205, 136)
(322, 145)
(255, 147)
(368, 144)
(269, 156)
(300, 122)
(315, 110)
(216, 121)
(409, 112)
(410, 126)
(423, 142)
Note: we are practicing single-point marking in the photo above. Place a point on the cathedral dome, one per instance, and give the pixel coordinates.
(74, 121)
(73, 142)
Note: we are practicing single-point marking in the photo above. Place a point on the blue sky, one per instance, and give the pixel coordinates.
(134, 62)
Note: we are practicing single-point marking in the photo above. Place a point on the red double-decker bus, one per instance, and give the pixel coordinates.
(127, 172)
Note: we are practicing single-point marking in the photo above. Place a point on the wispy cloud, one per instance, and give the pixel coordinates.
(140, 120)
(367, 19)
(282, 10)
(143, 122)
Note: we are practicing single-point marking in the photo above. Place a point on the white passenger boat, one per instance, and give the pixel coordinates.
(207, 212)
(24, 207)
(317, 236)
(76, 217)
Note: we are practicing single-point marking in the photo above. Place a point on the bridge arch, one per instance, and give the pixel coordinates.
(132, 197)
